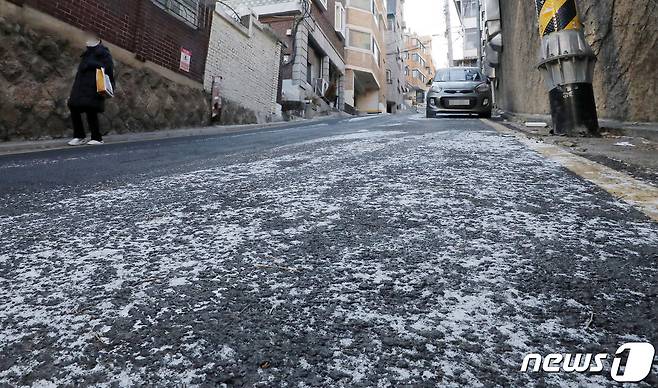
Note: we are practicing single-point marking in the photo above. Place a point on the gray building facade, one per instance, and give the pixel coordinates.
(468, 18)
(395, 62)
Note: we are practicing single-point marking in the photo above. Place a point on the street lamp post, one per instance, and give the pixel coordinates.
(448, 20)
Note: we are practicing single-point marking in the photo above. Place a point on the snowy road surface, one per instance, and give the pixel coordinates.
(384, 252)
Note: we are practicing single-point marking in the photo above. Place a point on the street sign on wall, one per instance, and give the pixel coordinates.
(185, 59)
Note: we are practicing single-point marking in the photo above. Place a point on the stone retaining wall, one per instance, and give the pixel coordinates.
(623, 34)
(36, 74)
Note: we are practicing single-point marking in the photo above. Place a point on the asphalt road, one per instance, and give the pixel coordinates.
(389, 251)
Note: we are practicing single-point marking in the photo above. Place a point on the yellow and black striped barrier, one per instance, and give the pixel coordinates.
(557, 15)
(567, 61)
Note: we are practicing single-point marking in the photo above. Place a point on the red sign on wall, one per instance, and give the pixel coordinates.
(185, 59)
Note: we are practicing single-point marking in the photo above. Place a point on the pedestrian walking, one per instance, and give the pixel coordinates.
(85, 98)
(217, 99)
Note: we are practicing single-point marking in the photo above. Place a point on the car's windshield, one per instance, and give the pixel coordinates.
(444, 75)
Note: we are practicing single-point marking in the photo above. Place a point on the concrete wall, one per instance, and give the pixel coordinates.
(248, 58)
(368, 101)
(360, 60)
(623, 34)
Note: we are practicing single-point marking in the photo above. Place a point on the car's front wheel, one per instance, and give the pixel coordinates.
(430, 115)
(485, 115)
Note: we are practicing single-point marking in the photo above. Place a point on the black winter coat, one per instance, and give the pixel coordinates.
(84, 95)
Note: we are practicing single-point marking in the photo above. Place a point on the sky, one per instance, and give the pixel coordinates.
(426, 18)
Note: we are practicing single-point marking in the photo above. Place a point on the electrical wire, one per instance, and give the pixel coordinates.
(236, 15)
(306, 13)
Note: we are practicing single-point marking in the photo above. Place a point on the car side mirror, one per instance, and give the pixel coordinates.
(429, 83)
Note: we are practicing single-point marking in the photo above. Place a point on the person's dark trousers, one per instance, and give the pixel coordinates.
(92, 121)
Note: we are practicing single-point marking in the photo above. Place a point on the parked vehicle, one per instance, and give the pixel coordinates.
(459, 90)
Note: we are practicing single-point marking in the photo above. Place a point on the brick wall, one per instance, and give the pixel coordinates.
(325, 19)
(248, 60)
(138, 26)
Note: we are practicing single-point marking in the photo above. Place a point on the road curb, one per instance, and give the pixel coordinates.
(640, 195)
(24, 147)
(647, 130)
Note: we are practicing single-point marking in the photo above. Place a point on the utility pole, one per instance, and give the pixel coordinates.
(446, 12)
(567, 61)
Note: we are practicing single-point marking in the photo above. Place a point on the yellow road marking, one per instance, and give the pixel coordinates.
(640, 195)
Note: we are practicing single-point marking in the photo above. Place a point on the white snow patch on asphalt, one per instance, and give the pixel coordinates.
(361, 135)
(362, 118)
(402, 245)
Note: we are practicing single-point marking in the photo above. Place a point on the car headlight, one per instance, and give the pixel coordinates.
(436, 89)
(482, 88)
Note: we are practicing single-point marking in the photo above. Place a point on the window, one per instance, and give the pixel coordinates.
(389, 77)
(458, 75)
(417, 58)
(375, 51)
(186, 10)
(469, 9)
(366, 5)
(471, 39)
(419, 76)
(339, 21)
(323, 3)
(361, 40)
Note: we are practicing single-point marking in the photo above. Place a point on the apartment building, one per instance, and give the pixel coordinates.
(365, 59)
(396, 85)
(419, 69)
(468, 10)
(313, 70)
